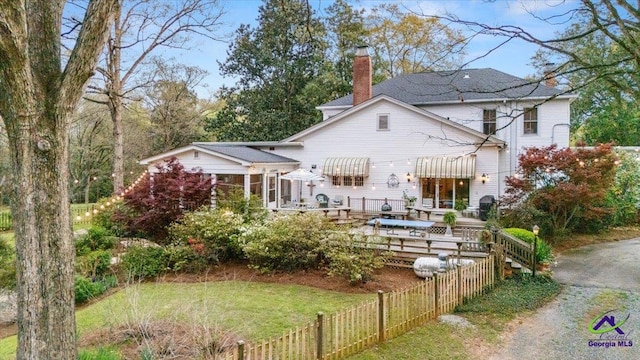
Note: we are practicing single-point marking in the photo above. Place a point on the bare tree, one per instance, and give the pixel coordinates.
(617, 22)
(38, 96)
(141, 28)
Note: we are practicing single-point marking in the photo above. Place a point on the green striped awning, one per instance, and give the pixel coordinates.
(442, 167)
(346, 166)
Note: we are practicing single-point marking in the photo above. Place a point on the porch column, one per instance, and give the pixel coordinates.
(247, 186)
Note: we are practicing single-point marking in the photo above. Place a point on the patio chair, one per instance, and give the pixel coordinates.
(337, 200)
(427, 203)
(323, 200)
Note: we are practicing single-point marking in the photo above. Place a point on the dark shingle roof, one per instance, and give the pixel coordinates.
(447, 86)
(246, 153)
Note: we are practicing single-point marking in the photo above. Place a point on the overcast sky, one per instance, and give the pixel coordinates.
(513, 58)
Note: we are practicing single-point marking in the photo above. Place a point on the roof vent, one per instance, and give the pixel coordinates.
(466, 76)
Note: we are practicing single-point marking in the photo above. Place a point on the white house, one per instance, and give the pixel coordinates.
(444, 137)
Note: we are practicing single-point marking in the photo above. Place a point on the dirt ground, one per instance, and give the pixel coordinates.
(386, 279)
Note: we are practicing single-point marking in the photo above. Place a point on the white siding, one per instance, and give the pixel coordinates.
(410, 136)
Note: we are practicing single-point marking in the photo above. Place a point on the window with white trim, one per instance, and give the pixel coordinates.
(489, 121)
(530, 120)
(383, 122)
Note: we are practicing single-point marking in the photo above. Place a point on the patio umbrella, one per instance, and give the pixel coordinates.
(302, 175)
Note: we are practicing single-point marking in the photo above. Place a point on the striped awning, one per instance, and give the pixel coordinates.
(346, 166)
(442, 167)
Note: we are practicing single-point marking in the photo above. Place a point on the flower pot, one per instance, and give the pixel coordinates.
(448, 232)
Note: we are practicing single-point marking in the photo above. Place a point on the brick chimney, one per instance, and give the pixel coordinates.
(550, 75)
(361, 76)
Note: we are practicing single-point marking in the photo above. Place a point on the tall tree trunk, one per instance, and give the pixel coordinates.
(37, 100)
(42, 225)
(115, 107)
(115, 100)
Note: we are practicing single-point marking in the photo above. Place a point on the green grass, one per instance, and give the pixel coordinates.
(516, 295)
(432, 341)
(254, 311)
(489, 313)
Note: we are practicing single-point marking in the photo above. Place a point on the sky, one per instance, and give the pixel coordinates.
(513, 58)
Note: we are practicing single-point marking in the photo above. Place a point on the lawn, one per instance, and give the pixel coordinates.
(488, 313)
(252, 310)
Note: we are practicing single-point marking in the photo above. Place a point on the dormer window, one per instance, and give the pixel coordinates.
(383, 122)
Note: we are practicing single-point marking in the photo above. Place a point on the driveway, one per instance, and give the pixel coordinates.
(596, 278)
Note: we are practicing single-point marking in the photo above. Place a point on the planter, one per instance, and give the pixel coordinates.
(448, 232)
(544, 266)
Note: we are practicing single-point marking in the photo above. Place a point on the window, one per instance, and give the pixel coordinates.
(530, 120)
(196, 154)
(489, 121)
(347, 180)
(336, 180)
(383, 122)
(358, 181)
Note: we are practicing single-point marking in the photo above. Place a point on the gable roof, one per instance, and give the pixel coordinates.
(482, 138)
(456, 86)
(241, 153)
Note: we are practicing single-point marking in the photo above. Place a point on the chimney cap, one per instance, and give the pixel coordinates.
(362, 50)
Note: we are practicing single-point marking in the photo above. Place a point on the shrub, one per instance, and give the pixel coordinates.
(87, 289)
(94, 264)
(140, 262)
(7, 265)
(251, 209)
(185, 258)
(97, 238)
(543, 250)
(105, 218)
(351, 258)
(217, 230)
(153, 205)
(286, 242)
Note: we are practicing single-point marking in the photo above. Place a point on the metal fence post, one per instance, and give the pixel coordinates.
(319, 335)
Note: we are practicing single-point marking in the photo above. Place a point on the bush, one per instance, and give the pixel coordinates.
(351, 258)
(105, 217)
(97, 238)
(185, 258)
(94, 264)
(217, 230)
(87, 289)
(140, 262)
(7, 265)
(251, 209)
(286, 242)
(543, 250)
(153, 205)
